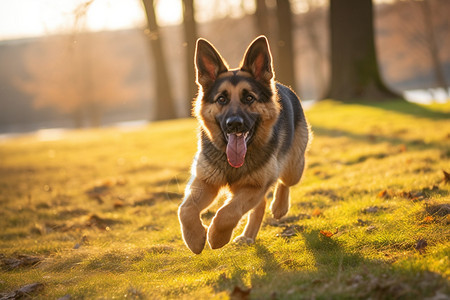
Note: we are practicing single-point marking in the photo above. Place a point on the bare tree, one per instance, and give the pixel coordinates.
(77, 74)
(81, 80)
(354, 67)
(310, 23)
(190, 37)
(165, 108)
(262, 18)
(285, 62)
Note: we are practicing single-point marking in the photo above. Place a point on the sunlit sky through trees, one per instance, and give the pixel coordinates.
(30, 18)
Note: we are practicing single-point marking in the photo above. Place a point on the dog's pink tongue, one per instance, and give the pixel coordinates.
(236, 150)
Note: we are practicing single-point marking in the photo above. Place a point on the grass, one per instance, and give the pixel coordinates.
(92, 214)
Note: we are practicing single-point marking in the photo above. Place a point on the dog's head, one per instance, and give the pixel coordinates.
(236, 108)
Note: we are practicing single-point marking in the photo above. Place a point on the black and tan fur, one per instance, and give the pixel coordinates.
(244, 103)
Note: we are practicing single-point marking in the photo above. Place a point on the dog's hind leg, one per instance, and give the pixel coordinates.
(253, 224)
(280, 202)
(291, 176)
(228, 216)
(198, 196)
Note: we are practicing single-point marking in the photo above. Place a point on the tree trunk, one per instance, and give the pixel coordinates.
(165, 108)
(310, 19)
(77, 116)
(354, 67)
(262, 18)
(285, 65)
(190, 38)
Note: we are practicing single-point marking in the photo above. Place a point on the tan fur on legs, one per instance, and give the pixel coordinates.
(291, 175)
(199, 195)
(253, 224)
(228, 216)
(280, 202)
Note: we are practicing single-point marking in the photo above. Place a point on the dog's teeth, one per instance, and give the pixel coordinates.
(238, 134)
(246, 134)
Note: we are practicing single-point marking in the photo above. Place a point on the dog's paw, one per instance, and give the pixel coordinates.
(279, 211)
(243, 240)
(219, 237)
(195, 241)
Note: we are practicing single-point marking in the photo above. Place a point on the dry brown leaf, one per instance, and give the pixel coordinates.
(361, 222)
(100, 223)
(240, 294)
(382, 194)
(20, 262)
(316, 212)
(118, 204)
(427, 219)
(446, 177)
(371, 209)
(326, 233)
(420, 245)
(291, 230)
(24, 292)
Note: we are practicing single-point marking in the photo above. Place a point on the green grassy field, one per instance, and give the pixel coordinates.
(92, 215)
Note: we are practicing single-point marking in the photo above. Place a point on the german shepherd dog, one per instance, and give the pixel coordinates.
(253, 134)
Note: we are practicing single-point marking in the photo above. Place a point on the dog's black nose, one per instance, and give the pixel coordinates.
(235, 124)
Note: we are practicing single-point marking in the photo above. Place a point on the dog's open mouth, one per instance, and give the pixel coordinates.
(237, 148)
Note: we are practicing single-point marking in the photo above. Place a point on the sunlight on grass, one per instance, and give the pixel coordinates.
(93, 212)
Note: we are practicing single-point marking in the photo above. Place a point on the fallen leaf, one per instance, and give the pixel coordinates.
(145, 202)
(446, 177)
(240, 294)
(362, 222)
(402, 148)
(372, 137)
(371, 210)
(420, 245)
(316, 212)
(326, 233)
(291, 230)
(371, 228)
(382, 194)
(118, 204)
(20, 262)
(427, 219)
(81, 242)
(413, 196)
(100, 223)
(24, 292)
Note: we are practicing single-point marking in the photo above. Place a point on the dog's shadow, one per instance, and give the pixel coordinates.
(335, 271)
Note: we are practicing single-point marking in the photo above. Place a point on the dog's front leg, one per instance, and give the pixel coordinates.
(198, 196)
(228, 216)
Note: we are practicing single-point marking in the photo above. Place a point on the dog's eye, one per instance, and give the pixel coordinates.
(249, 99)
(222, 100)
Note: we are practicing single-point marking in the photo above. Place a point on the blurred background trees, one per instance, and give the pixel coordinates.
(164, 105)
(77, 74)
(148, 72)
(354, 66)
(80, 79)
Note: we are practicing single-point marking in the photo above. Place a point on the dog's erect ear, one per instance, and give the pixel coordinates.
(208, 63)
(258, 60)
